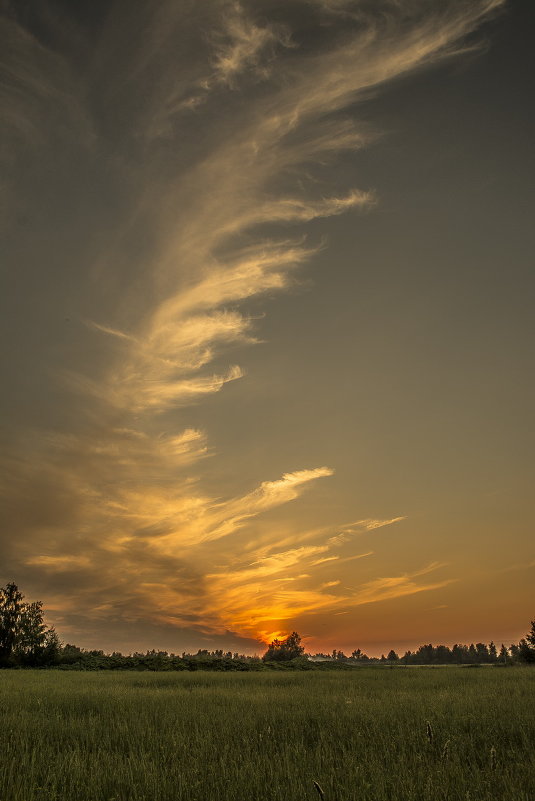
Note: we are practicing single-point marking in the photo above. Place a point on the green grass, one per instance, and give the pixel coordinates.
(361, 735)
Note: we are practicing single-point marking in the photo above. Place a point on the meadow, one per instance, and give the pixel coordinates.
(370, 734)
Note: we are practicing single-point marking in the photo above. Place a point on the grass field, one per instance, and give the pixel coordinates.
(361, 735)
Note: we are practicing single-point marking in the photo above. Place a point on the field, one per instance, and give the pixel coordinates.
(362, 735)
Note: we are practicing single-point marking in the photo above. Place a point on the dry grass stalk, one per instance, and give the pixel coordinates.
(429, 730)
(320, 791)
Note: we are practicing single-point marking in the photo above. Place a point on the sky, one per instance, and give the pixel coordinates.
(267, 328)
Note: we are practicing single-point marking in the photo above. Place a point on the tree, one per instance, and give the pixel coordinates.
(24, 637)
(70, 654)
(504, 654)
(442, 655)
(459, 654)
(284, 650)
(51, 651)
(392, 656)
(526, 646)
(424, 655)
(11, 611)
(482, 652)
(525, 652)
(32, 632)
(514, 651)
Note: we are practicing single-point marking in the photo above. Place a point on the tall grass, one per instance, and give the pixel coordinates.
(359, 735)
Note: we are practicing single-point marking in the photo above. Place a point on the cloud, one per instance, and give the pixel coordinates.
(229, 190)
(160, 158)
(524, 566)
(243, 45)
(148, 552)
(59, 563)
(391, 587)
(258, 599)
(371, 525)
(221, 519)
(360, 527)
(325, 559)
(299, 210)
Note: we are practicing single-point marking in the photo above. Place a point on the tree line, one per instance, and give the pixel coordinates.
(26, 641)
(473, 654)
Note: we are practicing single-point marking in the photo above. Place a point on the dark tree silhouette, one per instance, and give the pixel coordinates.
(24, 637)
(525, 650)
(284, 650)
(11, 612)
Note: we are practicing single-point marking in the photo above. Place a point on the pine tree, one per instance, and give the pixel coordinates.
(482, 653)
(526, 646)
(530, 636)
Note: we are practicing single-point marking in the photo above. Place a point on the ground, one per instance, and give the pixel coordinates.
(372, 734)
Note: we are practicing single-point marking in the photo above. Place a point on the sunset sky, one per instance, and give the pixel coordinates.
(267, 320)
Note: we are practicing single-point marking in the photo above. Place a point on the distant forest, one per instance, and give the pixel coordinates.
(27, 642)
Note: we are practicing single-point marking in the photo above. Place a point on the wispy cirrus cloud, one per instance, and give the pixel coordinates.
(386, 588)
(371, 525)
(242, 43)
(348, 531)
(276, 602)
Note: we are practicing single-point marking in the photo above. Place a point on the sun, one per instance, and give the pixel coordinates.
(268, 637)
